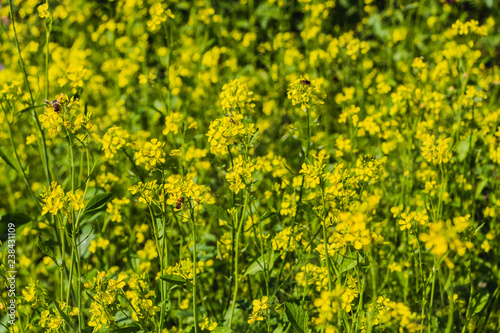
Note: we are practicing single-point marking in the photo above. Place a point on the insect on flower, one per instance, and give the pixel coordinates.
(54, 104)
(305, 81)
(179, 202)
(232, 121)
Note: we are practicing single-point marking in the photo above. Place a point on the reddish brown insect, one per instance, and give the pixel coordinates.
(305, 81)
(54, 104)
(232, 121)
(179, 202)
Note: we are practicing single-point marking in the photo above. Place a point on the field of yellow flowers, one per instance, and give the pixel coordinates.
(249, 166)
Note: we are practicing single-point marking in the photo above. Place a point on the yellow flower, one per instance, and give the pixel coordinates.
(436, 151)
(208, 324)
(151, 155)
(76, 201)
(240, 174)
(260, 304)
(227, 131)
(235, 96)
(43, 10)
(173, 123)
(259, 308)
(306, 93)
(313, 173)
(30, 139)
(54, 199)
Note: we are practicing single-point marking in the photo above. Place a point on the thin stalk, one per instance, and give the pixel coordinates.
(47, 37)
(72, 161)
(86, 187)
(325, 239)
(195, 314)
(449, 324)
(25, 178)
(63, 254)
(432, 293)
(78, 283)
(43, 148)
(159, 250)
(236, 256)
(294, 220)
(374, 291)
(164, 254)
(70, 277)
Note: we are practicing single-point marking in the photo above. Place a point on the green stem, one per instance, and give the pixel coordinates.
(23, 173)
(294, 220)
(449, 324)
(236, 256)
(47, 36)
(63, 254)
(164, 255)
(72, 161)
(325, 240)
(434, 268)
(195, 313)
(43, 148)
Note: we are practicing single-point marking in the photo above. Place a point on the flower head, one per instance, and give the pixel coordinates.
(306, 93)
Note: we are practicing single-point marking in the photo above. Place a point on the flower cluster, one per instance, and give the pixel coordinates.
(387, 311)
(259, 309)
(227, 131)
(239, 175)
(151, 155)
(286, 240)
(313, 173)
(305, 93)
(62, 113)
(158, 16)
(56, 200)
(142, 299)
(443, 236)
(114, 208)
(236, 97)
(105, 292)
(184, 269)
(436, 151)
(51, 321)
(208, 324)
(113, 140)
(409, 220)
(466, 28)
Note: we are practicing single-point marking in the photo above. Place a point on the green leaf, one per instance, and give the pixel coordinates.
(297, 317)
(482, 184)
(267, 215)
(218, 212)
(464, 147)
(46, 249)
(279, 329)
(349, 263)
(266, 260)
(7, 160)
(479, 302)
(31, 108)
(65, 317)
(97, 203)
(175, 279)
(222, 330)
(18, 219)
(462, 150)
